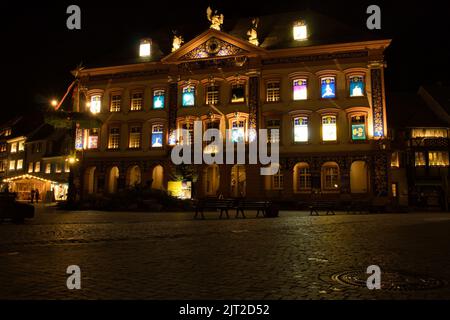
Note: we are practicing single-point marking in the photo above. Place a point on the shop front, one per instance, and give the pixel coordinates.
(25, 185)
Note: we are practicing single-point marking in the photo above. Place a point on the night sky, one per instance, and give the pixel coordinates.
(38, 51)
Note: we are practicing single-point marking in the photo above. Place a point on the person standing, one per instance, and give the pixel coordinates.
(37, 195)
(32, 195)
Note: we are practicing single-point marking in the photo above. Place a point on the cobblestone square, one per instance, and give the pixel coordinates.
(125, 255)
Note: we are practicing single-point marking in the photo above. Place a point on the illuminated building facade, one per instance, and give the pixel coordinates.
(34, 158)
(325, 95)
(420, 126)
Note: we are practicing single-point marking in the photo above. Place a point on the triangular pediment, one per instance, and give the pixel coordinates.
(213, 44)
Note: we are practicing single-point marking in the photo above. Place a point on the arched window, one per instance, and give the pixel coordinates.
(90, 181)
(134, 176)
(211, 180)
(238, 181)
(158, 177)
(302, 177)
(330, 176)
(112, 179)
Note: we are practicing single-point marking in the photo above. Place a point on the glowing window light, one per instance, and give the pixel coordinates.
(158, 99)
(188, 96)
(12, 165)
(356, 86)
(329, 128)
(429, 133)
(300, 31)
(300, 89)
(157, 136)
(438, 159)
(328, 87)
(48, 168)
(19, 164)
(358, 128)
(95, 104)
(145, 48)
(419, 159)
(301, 129)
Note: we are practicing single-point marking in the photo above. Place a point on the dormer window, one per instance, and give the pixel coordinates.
(145, 48)
(300, 31)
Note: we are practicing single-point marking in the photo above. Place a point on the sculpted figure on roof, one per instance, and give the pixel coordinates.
(215, 18)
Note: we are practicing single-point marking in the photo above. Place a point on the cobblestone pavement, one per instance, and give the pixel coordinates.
(170, 256)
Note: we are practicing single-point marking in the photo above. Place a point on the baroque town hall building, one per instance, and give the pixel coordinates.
(317, 81)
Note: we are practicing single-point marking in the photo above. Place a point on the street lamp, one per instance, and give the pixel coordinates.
(54, 103)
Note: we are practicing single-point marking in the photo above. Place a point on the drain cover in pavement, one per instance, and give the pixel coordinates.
(390, 280)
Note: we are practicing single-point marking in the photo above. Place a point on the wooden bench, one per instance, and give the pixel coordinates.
(215, 204)
(259, 206)
(327, 206)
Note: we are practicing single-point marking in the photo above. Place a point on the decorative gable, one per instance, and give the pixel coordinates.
(213, 47)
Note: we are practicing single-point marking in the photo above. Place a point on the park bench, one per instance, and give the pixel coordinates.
(11, 209)
(327, 206)
(213, 204)
(259, 206)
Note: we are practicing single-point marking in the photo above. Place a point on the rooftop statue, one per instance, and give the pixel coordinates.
(177, 42)
(215, 18)
(252, 33)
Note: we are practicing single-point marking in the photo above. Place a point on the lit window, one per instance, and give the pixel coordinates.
(37, 167)
(93, 139)
(212, 95)
(395, 160)
(12, 165)
(302, 177)
(8, 132)
(13, 147)
(394, 190)
(273, 136)
(300, 89)
(158, 99)
(330, 176)
(356, 86)
(209, 147)
(358, 128)
(429, 133)
(145, 48)
(278, 181)
(301, 129)
(21, 145)
(116, 101)
(419, 159)
(96, 104)
(30, 167)
(188, 96)
(48, 168)
(136, 101)
(66, 167)
(329, 128)
(114, 138)
(157, 136)
(3, 165)
(189, 127)
(273, 91)
(438, 159)
(300, 31)
(19, 164)
(237, 93)
(328, 87)
(2, 147)
(135, 137)
(58, 168)
(238, 131)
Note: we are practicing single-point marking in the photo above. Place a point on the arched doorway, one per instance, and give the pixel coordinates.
(134, 176)
(90, 181)
(113, 176)
(238, 181)
(157, 177)
(359, 177)
(211, 180)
